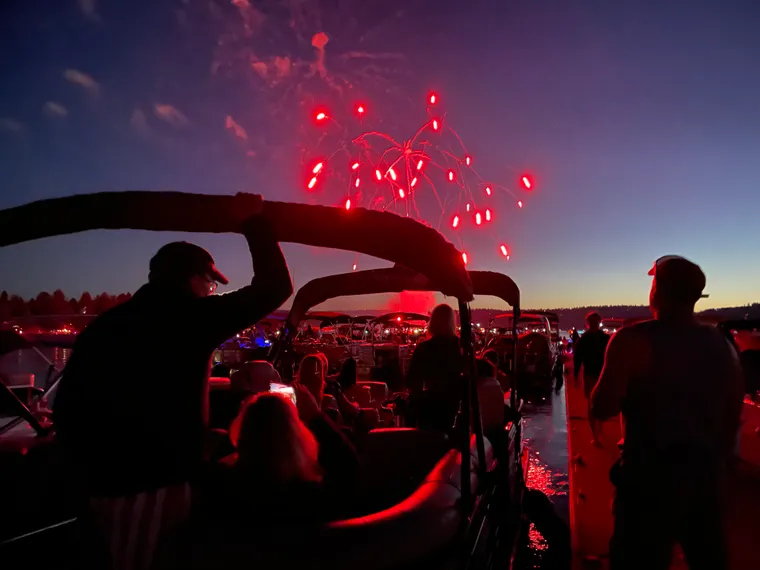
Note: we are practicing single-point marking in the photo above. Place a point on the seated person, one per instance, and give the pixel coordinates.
(493, 357)
(312, 375)
(291, 467)
(251, 378)
(435, 372)
(347, 375)
(490, 396)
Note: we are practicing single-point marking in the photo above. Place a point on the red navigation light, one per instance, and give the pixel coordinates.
(378, 175)
(356, 184)
(488, 190)
(455, 222)
(451, 176)
(320, 116)
(401, 193)
(354, 269)
(414, 182)
(478, 219)
(312, 182)
(398, 319)
(464, 258)
(526, 182)
(419, 165)
(436, 124)
(360, 109)
(519, 204)
(354, 166)
(432, 98)
(348, 203)
(467, 207)
(488, 215)
(467, 160)
(317, 167)
(392, 173)
(504, 250)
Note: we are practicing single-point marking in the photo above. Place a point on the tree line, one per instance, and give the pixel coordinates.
(56, 303)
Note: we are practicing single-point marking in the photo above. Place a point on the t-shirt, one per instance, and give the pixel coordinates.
(679, 387)
(589, 353)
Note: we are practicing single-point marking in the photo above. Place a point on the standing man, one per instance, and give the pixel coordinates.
(588, 353)
(679, 386)
(132, 417)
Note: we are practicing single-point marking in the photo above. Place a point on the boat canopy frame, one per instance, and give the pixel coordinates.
(397, 280)
(433, 258)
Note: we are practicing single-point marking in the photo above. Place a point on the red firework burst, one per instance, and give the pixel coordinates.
(434, 162)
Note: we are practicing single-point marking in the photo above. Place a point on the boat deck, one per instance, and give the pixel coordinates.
(591, 492)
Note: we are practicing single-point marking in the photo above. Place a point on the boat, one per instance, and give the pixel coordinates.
(459, 498)
(611, 325)
(503, 496)
(537, 346)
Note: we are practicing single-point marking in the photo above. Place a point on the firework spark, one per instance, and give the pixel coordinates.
(432, 163)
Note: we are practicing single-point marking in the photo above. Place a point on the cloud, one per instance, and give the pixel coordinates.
(140, 124)
(53, 109)
(12, 125)
(238, 131)
(170, 114)
(89, 9)
(83, 80)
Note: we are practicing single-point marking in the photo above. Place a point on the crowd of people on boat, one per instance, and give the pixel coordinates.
(157, 470)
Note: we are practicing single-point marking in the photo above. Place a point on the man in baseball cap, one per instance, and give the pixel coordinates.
(677, 281)
(132, 406)
(679, 387)
(181, 262)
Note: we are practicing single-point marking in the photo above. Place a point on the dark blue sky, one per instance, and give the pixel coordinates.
(638, 120)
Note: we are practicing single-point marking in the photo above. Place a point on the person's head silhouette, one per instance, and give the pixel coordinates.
(185, 267)
(677, 285)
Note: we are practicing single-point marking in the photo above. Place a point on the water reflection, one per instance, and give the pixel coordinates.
(545, 437)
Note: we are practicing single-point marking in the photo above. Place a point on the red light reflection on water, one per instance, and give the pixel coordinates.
(542, 478)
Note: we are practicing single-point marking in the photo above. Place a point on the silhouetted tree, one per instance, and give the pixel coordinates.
(5, 307)
(85, 303)
(60, 305)
(19, 307)
(42, 304)
(102, 303)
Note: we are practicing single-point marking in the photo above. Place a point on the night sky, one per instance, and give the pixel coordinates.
(637, 120)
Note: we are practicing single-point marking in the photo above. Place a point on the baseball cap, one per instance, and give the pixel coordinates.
(186, 259)
(679, 276)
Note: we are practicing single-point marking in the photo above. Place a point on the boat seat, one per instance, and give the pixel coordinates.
(379, 390)
(491, 397)
(393, 462)
(368, 420)
(362, 395)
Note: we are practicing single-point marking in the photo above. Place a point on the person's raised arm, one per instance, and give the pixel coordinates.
(220, 317)
(610, 389)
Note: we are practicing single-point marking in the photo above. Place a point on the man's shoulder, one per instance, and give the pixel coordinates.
(632, 334)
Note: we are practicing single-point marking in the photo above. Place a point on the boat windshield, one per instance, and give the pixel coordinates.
(30, 369)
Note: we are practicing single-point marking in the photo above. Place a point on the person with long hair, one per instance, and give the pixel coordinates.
(312, 374)
(291, 467)
(434, 377)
